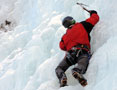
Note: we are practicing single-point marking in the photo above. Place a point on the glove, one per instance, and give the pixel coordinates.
(92, 12)
(62, 40)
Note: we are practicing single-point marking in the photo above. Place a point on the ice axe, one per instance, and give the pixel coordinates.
(82, 5)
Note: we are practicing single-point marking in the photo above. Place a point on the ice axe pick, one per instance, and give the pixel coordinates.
(82, 5)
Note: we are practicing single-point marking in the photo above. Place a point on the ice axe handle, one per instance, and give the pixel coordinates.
(84, 8)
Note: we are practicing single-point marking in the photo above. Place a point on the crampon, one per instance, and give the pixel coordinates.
(80, 78)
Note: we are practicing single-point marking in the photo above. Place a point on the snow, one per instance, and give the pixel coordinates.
(29, 46)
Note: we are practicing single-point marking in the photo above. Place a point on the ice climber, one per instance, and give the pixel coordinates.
(76, 43)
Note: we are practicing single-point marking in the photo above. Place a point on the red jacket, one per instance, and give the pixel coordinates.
(79, 33)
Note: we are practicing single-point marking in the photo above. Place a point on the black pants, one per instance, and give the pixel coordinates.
(82, 62)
